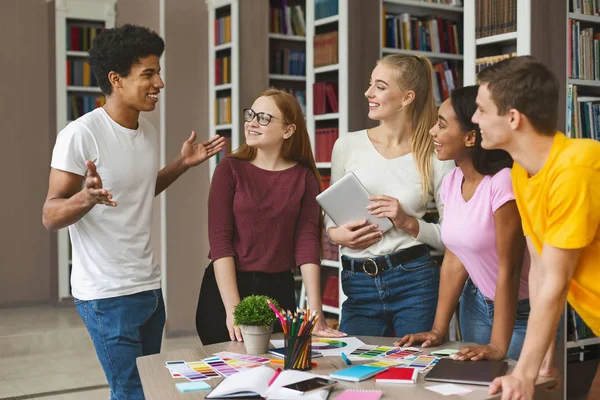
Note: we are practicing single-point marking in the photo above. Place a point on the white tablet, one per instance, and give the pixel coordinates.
(347, 200)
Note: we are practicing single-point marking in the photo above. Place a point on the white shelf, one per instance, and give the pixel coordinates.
(583, 342)
(323, 165)
(280, 36)
(584, 82)
(74, 53)
(328, 20)
(583, 17)
(439, 56)
(422, 4)
(294, 78)
(327, 68)
(84, 89)
(325, 117)
(330, 263)
(224, 86)
(504, 37)
(330, 309)
(223, 127)
(223, 46)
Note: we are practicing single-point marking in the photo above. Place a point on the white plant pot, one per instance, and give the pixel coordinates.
(256, 338)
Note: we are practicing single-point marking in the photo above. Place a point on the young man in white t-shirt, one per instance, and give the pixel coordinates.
(115, 279)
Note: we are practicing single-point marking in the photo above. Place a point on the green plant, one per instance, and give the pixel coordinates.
(254, 310)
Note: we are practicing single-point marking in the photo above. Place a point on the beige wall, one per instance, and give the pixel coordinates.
(28, 133)
(186, 66)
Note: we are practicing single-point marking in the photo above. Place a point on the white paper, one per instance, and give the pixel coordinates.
(448, 389)
(324, 345)
(251, 380)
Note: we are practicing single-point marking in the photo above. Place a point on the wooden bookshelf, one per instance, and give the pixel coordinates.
(76, 24)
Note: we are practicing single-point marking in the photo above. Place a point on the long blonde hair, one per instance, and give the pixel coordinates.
(297, 148)
(416, 73)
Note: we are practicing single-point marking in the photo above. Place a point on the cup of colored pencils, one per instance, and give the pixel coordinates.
(297, 329)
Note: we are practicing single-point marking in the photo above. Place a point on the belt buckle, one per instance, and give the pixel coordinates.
(371, 274)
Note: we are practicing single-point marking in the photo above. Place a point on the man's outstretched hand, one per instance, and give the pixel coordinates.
(196, 153)
(93, 186)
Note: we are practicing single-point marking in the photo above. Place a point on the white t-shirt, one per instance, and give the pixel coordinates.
(112, 252)
(397, 177)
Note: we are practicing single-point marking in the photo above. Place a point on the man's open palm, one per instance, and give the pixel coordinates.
(196, 153)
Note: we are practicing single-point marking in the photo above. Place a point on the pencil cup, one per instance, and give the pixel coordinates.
(298, 352)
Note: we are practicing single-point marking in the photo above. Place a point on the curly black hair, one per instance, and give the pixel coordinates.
(486, 162)
(117, 49)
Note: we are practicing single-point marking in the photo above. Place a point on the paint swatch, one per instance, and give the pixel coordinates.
(244, 357)
(422, 362)
(203, 368)
(220, 366)
(181, 368)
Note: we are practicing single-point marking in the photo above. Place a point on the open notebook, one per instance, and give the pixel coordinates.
(254, 383)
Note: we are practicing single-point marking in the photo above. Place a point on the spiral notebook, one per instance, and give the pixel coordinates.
(350, 394)
(356, 373)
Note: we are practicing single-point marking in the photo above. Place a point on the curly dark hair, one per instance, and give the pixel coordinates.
(486, 162)
(117, 49)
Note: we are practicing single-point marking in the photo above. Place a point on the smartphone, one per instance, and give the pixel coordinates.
(310, 384)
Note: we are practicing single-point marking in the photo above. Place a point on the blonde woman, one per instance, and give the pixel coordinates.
(390, 279)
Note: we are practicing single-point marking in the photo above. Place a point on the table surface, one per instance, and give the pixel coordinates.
(159, 385)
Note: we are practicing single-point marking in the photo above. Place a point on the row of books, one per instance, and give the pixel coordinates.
(484, 62)
(222, 110)
(78, 104)
(446, 2)
(325, 98)
(587, 7)
(331, 292)
(428, 34)
(326, 49)
(299, 94)
(223, 30)
(583, 115)
(446, 79)
(80, 38)
(79, 73)
(287, 20)
(494, 17)
(330, 250)
(222, 70)
(584, 52)
(325, 8)
(225, 151)
(324, 140)
(576, 327)
(288, 62)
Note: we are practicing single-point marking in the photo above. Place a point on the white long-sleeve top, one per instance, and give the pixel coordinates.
(397, 177)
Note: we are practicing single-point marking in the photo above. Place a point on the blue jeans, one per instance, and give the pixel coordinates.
(122, 329)
(476, 318)
(398, 301)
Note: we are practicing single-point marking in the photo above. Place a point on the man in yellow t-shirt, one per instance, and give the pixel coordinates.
(557, 188)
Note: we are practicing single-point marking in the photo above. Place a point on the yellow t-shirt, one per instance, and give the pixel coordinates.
(560, 206)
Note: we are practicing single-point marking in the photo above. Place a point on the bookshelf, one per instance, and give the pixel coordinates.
(287, 47)
(430, 28)
(223, 75)
(77, 22)
(335, 104)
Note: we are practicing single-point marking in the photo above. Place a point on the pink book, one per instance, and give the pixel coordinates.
(349, 394)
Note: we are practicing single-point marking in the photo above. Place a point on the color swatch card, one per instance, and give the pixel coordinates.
(350, 394)
(402, 352)
(245, 357)
(220, 366)
(423, 362)
(181, 368)
(203, 368)
(369, 352)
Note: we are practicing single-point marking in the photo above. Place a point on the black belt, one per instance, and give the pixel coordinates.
(375, 266)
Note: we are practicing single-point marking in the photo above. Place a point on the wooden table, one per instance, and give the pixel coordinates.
(159, 385)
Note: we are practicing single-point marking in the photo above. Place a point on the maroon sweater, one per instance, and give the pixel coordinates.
(267, 220)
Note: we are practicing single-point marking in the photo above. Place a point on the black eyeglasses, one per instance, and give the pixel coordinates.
(263, 118)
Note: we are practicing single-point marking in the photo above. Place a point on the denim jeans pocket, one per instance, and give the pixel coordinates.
(346, 274)
(418, 264)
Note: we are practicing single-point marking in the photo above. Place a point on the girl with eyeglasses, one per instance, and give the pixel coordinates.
(263, 220)
(390, 278)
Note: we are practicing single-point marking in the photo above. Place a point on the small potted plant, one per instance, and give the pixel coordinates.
(255, 319)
